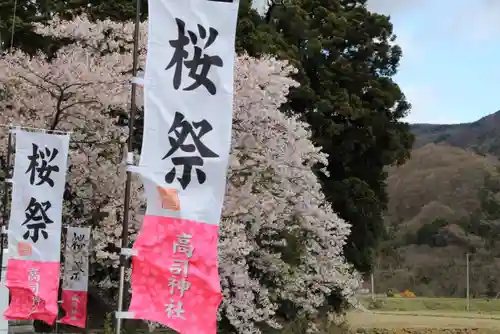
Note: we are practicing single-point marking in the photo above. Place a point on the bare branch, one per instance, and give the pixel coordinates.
(80, 102)
(44, 78)
(81, 85)
(54, 95)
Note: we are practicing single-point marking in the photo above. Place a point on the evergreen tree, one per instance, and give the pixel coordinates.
(346, 57)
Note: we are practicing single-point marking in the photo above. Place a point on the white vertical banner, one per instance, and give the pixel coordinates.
(188, 100)
(34, 232)
(76, 276)
(37, 196)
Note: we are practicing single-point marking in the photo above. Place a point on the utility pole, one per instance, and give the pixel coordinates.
(373, 286)
(468, 282)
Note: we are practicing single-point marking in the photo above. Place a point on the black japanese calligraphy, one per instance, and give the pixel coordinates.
(37, 220)
(40, 165)
(200, 63)
(78, 242)
(77, 270)
(182, 129)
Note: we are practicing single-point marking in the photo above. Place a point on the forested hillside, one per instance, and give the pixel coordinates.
(444, 203)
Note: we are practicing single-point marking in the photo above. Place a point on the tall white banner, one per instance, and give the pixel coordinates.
(35, 225)
(188, 102)
(188, 98)
(76, 276)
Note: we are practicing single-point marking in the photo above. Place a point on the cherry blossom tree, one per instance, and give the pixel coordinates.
(83, 93)
(288, 240)
(280, 242)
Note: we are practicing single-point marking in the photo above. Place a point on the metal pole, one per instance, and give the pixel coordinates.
(123, 259)
(5, 198)
(373, 286)
(13, 29)
(468, 283)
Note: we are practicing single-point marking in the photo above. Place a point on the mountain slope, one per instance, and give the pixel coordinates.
(436, 175)
(439, 209)
(482, 136)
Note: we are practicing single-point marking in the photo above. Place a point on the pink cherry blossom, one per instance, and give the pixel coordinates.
(271, 191)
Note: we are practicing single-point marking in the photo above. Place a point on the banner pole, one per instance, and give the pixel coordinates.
(130, 161)
(5, 213)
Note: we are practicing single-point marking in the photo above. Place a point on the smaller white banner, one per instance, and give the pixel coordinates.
(38, 188)
(76, 263)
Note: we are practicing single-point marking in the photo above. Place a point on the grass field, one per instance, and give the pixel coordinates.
(427, 315)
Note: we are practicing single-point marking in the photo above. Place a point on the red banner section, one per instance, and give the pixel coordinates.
(175, 280)
(74, 303)
(33, 287)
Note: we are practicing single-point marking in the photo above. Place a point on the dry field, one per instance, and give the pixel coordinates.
(427, 315)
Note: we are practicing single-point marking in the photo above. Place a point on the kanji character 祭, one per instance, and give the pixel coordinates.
(36, 219)
(182, 129)
(40, 165)
(77, 270)
(200, 63)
